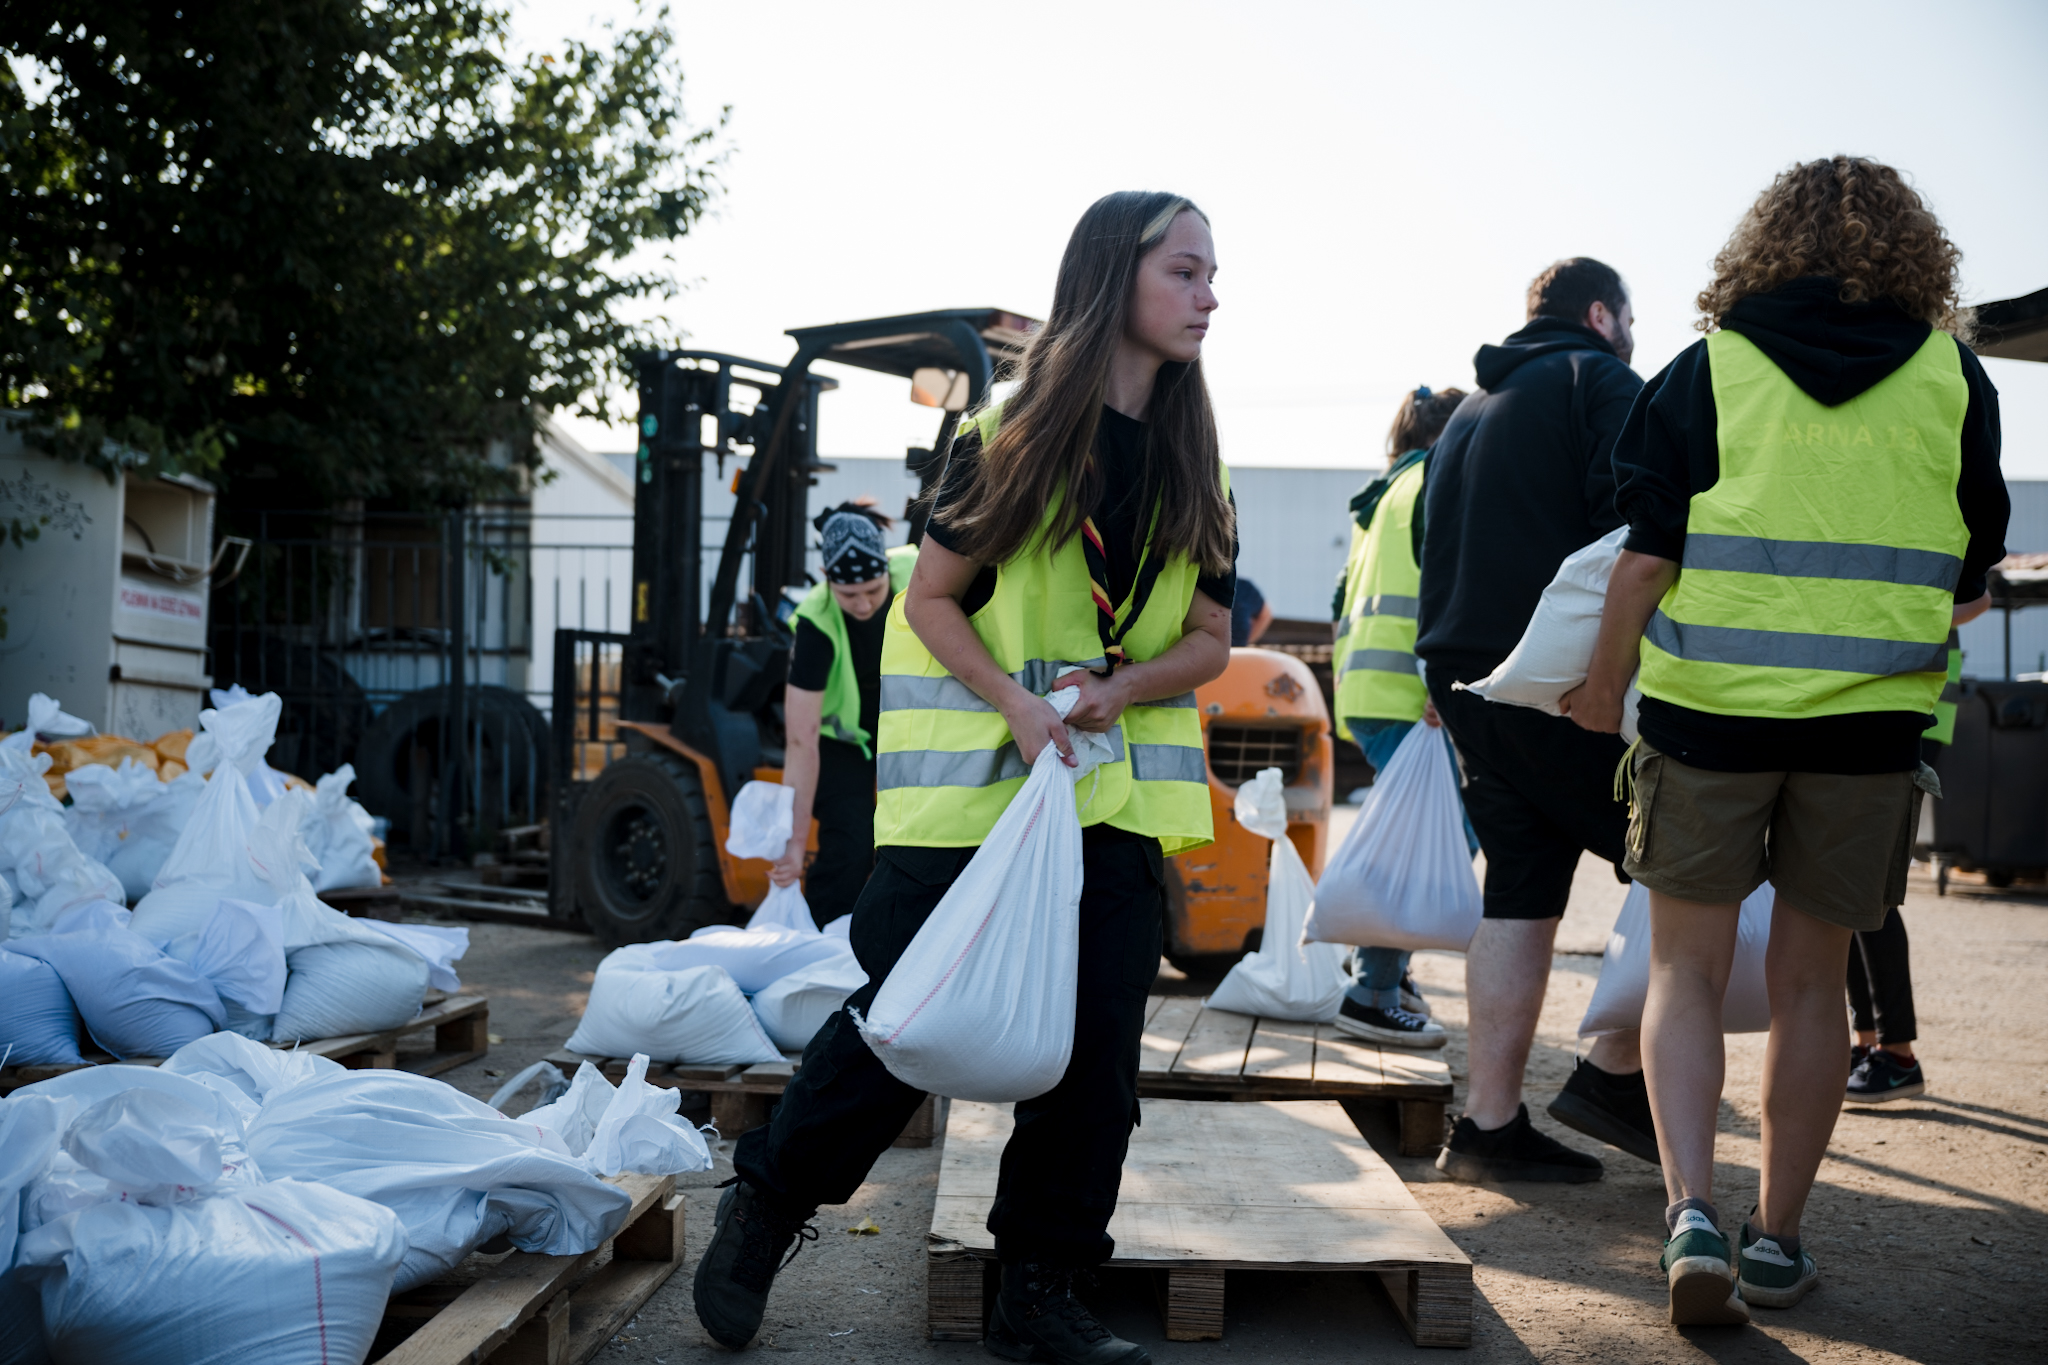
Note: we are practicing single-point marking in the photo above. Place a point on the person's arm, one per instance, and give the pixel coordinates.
(1966, 612)
(1200, 655)
(802, 712)
(1260, 623)
(1638, 584)
(1980, 486)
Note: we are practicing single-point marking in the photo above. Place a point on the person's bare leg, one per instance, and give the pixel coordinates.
(1618, 1054)
(1692, 948)
(1806, 1064)
(1507, 969)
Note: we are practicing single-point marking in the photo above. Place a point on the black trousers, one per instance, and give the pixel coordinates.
(1539, 791)
(1881, 982)
(1064, 1162)
(845, 808)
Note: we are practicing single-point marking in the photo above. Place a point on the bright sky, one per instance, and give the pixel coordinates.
(1383, 179)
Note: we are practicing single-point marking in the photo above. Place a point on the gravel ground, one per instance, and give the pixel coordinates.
(1930, 1220)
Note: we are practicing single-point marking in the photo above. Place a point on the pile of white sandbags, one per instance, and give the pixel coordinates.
(243, 1203)
(724, 996)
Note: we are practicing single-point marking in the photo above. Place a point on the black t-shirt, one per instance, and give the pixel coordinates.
(1120, 445)
(810, 662)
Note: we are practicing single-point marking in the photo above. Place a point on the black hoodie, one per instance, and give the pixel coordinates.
(1670, 451)
(1519, 479)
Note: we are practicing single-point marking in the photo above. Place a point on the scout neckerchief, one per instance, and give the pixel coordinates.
(1106, 612)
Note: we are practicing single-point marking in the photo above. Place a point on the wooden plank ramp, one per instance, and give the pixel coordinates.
(1207, 1189)
(462, 1033)
(742, 1097)
(1189, 1051)
(529, 1309)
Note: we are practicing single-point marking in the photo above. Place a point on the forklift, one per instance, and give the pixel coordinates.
(649, 753)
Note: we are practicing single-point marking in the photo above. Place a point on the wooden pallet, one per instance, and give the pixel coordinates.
(1207, 1189)
(530, 1309)
(742, 1096)
(489, 904)
(462, 1033)
(1192, 1052)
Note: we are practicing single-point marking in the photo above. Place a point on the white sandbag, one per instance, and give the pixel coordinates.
(763, 816)
(235, 1066)
(841, 928)
(46, 717)
(1556, 648)
(128, 819)
(1624, 983)
(1286, 978)
(456, 1171)
(211, 859)
(136, 1000)
(755, 958)
(38, 1022)
(240, 952)
(440, 946)
(695, 1015)
(29, 1133)
(266, 783)
(6, 907)
(339, 833)
(344, 976)
(981, 1004)
(784, 907)
(794, 1008)
(1403, 876)
(631, 1128)
(50, 874)
(197, 1270)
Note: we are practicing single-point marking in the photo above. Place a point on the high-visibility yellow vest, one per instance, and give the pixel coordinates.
(841, 705)
(946, 766)
(1820, 569)
(1375, 656)
(1943, 731)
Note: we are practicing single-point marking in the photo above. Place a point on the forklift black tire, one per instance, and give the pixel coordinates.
(644, 853)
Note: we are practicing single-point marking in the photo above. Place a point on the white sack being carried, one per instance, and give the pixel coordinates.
(211, 858)
(128, 819)
(784, 907)
(1556, 648)
(695, 1015)
(632, 1128)
(794, 1008)
(38, 1022)
(1624, 983)
(339, 833)
(456, 1171)
(201, 1270)
(1286, 978)
(1403, 876)
(981, 1004)
(754, 957)
(266, 783)
(763, 815)
(137, 1000)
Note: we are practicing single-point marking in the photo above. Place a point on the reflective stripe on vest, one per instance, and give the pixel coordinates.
(1819, 570)
(946, 764)
(1375, 654)
(839, 708)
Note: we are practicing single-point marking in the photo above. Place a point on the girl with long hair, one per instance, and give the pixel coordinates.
(1813, 499)
(1082, 536)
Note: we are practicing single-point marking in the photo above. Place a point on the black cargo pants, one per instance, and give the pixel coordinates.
(1064, 1161)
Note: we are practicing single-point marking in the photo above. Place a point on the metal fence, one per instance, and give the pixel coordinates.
(419, 648)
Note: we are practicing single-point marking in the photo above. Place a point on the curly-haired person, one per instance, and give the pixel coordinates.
(1813, 499)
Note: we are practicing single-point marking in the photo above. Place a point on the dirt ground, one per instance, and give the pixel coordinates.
(1930, 1219)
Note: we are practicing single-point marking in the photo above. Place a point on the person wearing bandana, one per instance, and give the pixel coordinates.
(831, 705)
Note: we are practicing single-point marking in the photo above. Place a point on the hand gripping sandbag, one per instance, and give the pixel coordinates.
(186, 1266)
(981, 1004)
(784, 907)
(1624, 983)
(1286, 978)
(1556, 648)
(1403, 876)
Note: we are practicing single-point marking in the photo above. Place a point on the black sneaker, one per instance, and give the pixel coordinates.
(1609, 1106)
(1412, 998)
(1516, 1151)
(1038, 1318)
(1394, 1028)
(747, 1242)
(1882, 1077)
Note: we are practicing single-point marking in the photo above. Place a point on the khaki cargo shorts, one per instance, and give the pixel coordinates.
(1835, 847)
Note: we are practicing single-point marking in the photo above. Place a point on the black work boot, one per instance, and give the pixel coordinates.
(1610, 1106)
(747, 1242)
(1038, 1318)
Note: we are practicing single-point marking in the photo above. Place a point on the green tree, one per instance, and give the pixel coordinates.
(349, 242)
